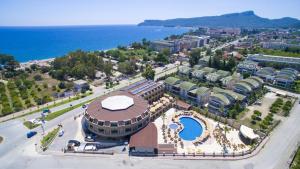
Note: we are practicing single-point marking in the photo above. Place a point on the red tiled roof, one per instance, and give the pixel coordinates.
(147, 137)
(183, 105)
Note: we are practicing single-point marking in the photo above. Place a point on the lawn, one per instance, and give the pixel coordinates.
(30, 125)
(296, 162)
(47, 139)
(63, 111)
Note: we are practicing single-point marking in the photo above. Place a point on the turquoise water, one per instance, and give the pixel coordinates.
(173, 126)
(33, 43)
(191, 128)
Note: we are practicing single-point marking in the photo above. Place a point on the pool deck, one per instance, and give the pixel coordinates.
(209, 146)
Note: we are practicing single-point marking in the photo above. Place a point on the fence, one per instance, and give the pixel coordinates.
(256, 148)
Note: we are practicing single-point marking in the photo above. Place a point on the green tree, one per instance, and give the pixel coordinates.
(108, 69)
(127, 67)
(194, 57)
(148, 73)
(230, 64)
(161, 58)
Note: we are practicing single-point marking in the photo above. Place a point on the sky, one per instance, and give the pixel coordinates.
(108, 12)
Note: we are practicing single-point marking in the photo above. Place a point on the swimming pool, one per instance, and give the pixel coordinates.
(191, 128)
(173, 126)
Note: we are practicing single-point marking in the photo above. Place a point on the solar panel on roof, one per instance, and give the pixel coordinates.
(138, 90)
(135, 84)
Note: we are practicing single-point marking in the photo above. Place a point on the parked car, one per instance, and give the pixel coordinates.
(61, 133)
(31, 134)
(84, 106)
(75, 142)
(89, 138)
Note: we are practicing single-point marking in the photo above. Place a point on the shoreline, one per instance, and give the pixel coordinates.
(51, 59)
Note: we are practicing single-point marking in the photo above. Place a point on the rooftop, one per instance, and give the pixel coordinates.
(146, 138)
(118, 102)
(200, 91)
(251, 82)
(172, 80)
(187, 86)
(245, 85)
(97, 111)
(208, 69)
(271, 58)
(221, 97)
(233, 94)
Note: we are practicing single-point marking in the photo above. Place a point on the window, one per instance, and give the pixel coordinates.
(114, 124)
(114, 132)
(128, 130)
(128, 122)
(101, 130)
(100, 123)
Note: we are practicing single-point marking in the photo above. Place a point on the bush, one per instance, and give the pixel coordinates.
(45, 85)
(38, 77)
(62, 85)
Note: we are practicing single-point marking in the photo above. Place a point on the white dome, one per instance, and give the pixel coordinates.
(118, 102)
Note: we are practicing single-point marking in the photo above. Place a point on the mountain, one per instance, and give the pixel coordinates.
(247, 19)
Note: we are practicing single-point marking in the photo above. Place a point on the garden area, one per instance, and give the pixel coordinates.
(47, 139)
(296, 161)
(19, 94)
(281, 107)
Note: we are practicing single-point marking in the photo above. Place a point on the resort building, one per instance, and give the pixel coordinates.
(247, 67)
(200, 75)
(257, 79)
(185, 87)
(216, 76)
(187, 90)
(249, 85)
(254, 84)
(124, 112)
(222, 100)
(172, 85)
(286, 78)
(199, 96)
(163, 44)
(184, 71)
(283, 61)
(232, 96)
(80, 85)
(117, 115)
(144, 142)
(229, 81)
(242, 88)
(148, 89)
(267, 74)
(219, 104)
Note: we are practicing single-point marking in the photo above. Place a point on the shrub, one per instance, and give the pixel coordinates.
(38, 77)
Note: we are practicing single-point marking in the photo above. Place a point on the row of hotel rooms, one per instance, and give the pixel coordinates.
(219, 100)
(283, 78)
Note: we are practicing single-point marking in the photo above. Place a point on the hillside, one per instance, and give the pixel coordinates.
(245, 19)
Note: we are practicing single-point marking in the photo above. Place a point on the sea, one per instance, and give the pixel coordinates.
(37, 43)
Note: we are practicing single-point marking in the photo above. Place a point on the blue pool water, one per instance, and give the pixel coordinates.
(191, 128)
(33, 43)
(173, 126)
